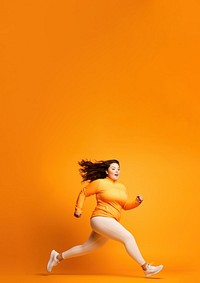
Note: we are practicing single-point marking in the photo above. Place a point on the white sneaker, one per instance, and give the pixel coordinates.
(151, 270)
(53, 261)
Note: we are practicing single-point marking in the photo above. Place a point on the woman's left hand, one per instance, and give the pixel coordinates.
(77, 214)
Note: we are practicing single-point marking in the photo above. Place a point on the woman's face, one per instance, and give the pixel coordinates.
(113, 171)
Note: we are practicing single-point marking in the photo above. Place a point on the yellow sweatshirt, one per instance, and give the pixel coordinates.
(111, 198)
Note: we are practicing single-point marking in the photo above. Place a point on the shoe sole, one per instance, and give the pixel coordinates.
(50, 262)
(153, 273)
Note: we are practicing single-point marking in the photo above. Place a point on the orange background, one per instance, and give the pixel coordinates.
(99, 80)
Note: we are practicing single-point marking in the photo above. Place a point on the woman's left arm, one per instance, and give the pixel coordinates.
(90, 189)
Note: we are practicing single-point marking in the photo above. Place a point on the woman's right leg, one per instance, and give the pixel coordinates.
(94, 242)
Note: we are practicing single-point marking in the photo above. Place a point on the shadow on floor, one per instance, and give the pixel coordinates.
(97, 274)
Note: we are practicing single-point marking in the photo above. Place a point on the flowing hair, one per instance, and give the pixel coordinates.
(91, 171)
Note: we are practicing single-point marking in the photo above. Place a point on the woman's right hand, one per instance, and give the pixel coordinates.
(77, 214)
(139, 198)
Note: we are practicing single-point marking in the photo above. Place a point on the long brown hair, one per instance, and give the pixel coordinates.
(91, 171)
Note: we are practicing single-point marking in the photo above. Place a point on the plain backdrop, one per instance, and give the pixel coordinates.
(99, 80)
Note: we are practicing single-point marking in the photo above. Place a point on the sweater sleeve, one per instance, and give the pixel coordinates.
(90, 189)
(131, 204)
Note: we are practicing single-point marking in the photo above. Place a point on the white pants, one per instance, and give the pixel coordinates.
(105, 228)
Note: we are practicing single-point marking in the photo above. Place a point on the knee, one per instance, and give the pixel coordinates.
(129, 238)
(91, 246)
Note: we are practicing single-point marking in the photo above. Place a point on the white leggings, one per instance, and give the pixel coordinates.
(105, 228)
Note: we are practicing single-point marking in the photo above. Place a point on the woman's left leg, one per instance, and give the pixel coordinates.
(110, 228)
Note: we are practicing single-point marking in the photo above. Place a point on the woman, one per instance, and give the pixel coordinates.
(111, 198)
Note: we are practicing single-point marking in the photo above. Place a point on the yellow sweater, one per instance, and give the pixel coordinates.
(111, 198)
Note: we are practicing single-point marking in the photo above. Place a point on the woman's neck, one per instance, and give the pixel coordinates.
(113, 181)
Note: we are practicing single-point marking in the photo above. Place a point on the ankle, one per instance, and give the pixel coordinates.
(144, 266)
(59, 257)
